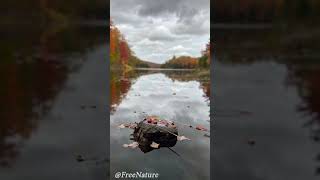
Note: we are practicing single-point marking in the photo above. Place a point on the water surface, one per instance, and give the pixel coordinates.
(169, 95)
(53, 103)
(267, 105)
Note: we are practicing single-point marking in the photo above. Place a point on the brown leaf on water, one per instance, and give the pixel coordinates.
(128, 125)
(133, 125)
(201, 128)
(132, 145)
(182, 138)
(154, 145)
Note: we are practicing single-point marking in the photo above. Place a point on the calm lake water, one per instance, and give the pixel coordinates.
(53, 108)
(172, 95)
(53, 103)
(267, 99)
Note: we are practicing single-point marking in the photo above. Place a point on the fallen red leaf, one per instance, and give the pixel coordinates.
(201, 128)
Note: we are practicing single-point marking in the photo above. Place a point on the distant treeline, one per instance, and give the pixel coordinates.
(181, 62)
(247, 11)
(187, 62)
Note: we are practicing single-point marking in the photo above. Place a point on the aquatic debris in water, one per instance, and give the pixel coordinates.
(201, 128)
(198, 127)
(80, 158)
(159, 122)
(128, 125)
(132, 145)
(182, 138)
(121, 126)
(153, 133)
(96, 160)
(251, 142)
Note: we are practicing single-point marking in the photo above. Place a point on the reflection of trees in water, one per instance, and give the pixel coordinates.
(248, 45)
(206, 88)
(295, 49)
(120, 84)
(291, 45)
(192, 76)
(26, 95)
(292, 50)
(32, 72)
(306, 78)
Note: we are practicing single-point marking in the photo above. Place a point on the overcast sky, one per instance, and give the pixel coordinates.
(158, 29)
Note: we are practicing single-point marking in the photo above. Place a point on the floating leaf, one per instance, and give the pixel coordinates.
(181, 138)
(125, 145)
(132, 125)
(80, 158)
(121, 126)
(128, 125)
(132, 145)
(251, 142)
(154, 145)
(201, 128)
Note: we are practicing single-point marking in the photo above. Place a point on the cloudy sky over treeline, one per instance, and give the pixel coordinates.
(158, 29)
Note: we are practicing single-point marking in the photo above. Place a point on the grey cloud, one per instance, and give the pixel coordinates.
(161, 37)
(158, 29)
(123, 18)
(186, 14)
(162, 33)
(185, 10)
(158, 7)
(197, 26)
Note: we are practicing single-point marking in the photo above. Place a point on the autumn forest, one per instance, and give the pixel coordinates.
(122, 56)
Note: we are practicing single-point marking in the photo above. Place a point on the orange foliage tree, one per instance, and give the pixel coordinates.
(120, 52)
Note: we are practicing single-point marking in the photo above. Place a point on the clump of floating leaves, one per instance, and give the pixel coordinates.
(153, 133)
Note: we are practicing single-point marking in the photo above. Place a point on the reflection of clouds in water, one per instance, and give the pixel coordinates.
(159, 95)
